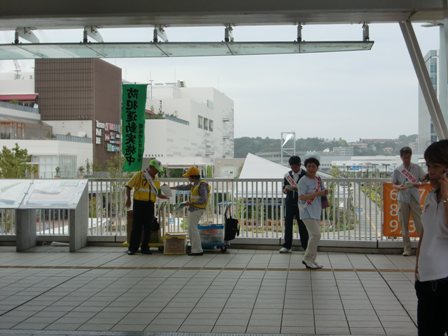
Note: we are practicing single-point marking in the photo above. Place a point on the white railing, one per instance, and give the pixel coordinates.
(355, 212)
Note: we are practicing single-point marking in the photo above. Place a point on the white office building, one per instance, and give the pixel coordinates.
(426, 132)
(188, 125)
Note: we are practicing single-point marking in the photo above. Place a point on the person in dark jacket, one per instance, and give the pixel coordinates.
(290, 182)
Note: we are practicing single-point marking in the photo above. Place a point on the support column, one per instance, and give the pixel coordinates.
(26, 236)
(423, 78)
(79, 219)
(443, 69)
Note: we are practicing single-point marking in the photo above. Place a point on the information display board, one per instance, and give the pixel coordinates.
(392, 227)
(12, 192)
(54, 194)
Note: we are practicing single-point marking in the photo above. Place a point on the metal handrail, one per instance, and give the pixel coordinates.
(355, 214)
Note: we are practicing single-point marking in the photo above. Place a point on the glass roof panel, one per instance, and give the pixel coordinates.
(319, 47)
(171, 49)
(263, 48)
(126, 50)
(184, 49)
(10, 52)
(60, 50)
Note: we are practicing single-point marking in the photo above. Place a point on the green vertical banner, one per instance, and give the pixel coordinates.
(133, 125)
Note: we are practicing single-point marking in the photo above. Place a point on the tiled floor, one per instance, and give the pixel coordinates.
(50, 291)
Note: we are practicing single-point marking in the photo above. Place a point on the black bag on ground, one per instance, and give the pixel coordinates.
(155, 225)
(232, 229)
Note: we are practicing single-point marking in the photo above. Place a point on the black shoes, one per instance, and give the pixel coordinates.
(129, 252)
(196, 254)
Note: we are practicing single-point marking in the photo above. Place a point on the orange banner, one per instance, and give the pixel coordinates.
(392, 227)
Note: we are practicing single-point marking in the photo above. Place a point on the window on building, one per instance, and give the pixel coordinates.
(206, 124)
(433, 67)
(210, 125)
(200, 122)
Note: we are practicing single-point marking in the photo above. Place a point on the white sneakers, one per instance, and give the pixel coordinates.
(311, 265)
(407, 253)
(284, 250)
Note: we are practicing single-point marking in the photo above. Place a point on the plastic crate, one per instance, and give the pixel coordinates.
(174, 243)
(212, 236)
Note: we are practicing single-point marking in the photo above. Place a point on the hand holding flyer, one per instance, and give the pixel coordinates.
(166, 190)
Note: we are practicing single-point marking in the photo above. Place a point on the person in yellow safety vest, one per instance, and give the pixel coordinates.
(200, 194)
(146, 190)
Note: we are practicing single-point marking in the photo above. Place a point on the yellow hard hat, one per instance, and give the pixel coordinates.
(192, 171)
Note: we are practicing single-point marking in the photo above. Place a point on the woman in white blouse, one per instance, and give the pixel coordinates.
(432, 253)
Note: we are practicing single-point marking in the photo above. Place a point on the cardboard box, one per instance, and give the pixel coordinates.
(174, 243)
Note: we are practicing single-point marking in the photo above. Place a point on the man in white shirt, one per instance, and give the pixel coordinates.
(406, 179)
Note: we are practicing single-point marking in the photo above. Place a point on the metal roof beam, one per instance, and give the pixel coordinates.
(51, 14)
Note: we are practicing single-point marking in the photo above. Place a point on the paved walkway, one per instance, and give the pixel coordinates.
(49, 291)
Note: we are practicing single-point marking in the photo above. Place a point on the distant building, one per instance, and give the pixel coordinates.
(22, 125)
(366, 164)
(188, 125)
(360, 145)
(375, 141)
(82, 98)
(343, 151)
(67, 114)
(426, 130)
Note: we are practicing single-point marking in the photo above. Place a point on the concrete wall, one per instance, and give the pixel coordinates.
(9, 84)
(11, 113)
(74, 127)
(190, 141)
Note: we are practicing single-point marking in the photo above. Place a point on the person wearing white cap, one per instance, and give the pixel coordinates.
(146, 190)
(200, 194)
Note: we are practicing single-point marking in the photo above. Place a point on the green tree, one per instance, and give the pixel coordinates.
(81, 171)
(335, 172)
(114, 166)
(88, 167)
(175, 172)
(14, 162)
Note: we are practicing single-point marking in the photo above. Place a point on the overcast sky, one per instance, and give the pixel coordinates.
(363, 94)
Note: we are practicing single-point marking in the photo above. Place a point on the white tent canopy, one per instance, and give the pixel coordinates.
(256, 167)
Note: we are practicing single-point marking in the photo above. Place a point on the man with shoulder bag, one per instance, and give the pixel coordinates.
(146, 187)
(290, 182)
